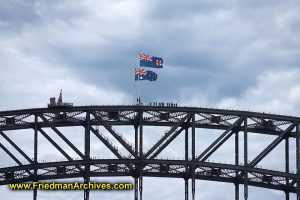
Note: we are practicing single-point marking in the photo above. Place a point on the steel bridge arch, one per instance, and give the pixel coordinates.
(145, 163)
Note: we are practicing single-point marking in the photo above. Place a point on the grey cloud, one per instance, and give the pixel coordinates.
(14, 14)
(199, 44)
(216, 53)
(167, 11)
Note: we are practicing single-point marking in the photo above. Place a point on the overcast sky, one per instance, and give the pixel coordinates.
(227, 54)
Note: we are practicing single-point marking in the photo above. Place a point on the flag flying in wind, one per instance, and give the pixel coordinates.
(144, 75)
(151, 61)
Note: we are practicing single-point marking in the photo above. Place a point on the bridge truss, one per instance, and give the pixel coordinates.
(139, 162)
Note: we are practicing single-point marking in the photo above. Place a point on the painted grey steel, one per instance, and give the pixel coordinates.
(138, 162)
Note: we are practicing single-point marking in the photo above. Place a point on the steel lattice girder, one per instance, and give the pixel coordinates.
(152, 168)
(71, 120)
(178, 118)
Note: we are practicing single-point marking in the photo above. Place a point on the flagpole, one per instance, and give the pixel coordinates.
(138, 88)
(134, 90)
(146, 61)
(139, 78)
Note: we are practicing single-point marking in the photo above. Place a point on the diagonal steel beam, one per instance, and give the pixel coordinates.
(217, 146)
(55, 144)
(166, 143)
(58, 148)
(62, 136)
(119, 138)
(13, 157)
(16, 147)
(169, 140)
(219, 141)
(10, 154)
(166, 136)
(108, 145)
(271, 146)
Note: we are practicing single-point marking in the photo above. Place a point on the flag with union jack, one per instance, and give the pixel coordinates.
(141, 74)
(151, 61)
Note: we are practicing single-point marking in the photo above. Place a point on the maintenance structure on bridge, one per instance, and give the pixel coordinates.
(143, 162)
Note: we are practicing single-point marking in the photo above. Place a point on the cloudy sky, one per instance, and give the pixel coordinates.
(227, 54)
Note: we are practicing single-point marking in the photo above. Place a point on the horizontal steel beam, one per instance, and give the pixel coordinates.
(147, 162)
(152, 174)
(137, 108)
(19, 119)
(145, 123)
